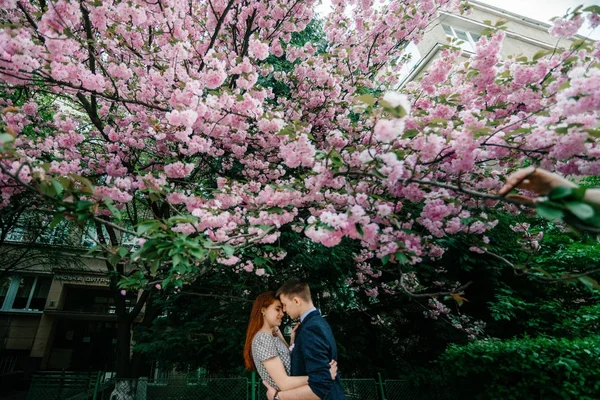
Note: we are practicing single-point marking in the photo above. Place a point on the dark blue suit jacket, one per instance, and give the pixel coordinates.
(314, 348)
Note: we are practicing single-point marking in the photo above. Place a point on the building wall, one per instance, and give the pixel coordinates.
(523, 36)
(29, 334)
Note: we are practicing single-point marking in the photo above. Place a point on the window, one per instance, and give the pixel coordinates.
(34, 228)
(95, 300)
(467, 38)
(26, 293)
(90, 236)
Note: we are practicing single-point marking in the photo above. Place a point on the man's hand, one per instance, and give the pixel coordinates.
(270, 390)
(535, 180)
(333, 369)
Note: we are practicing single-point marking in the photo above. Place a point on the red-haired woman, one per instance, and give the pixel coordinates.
(266, 349)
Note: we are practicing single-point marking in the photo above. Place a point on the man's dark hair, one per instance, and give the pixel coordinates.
(295, 287)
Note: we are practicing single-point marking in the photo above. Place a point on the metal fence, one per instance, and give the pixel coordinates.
(66, 385)
(104, 387)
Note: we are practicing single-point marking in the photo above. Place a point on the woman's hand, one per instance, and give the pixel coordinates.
(293, 334)
(535, 180)
(277, 332)
(333, 369)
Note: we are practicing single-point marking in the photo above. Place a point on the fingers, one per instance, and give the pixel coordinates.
(524, 199)
(517, 179)
(333, 369)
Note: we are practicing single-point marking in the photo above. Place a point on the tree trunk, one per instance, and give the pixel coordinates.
(139, 363)
(123, 348)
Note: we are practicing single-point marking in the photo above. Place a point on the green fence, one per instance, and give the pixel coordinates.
(102, 386)
(65, 385)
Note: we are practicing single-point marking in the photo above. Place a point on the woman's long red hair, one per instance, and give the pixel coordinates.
(263, 300)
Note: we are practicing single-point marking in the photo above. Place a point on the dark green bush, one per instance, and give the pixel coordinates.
(529, 368)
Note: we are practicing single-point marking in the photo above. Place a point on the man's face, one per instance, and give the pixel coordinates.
(291, 306)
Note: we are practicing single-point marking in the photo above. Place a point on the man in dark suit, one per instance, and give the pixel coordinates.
(313, 349)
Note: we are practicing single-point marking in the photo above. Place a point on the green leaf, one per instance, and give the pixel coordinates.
(367, 99)
(560, 192)
(398, 111)
(228, 250)
(549, 212)
(593, 9)
(561, 130)
(83, 205)
(401, 258)
(580, 209)
(58, 218)
(589, 282)
(410, 133)
(86, 182)
(113, 259)
(287, 131)
(335, 158)
(123, 251)
(438, 122)
(111, 207)
(57, 187)
(540, 54)
(154, 267)
(181, 219)
(482, 131)
(359, 229)
(542, 271)
(6, 138)
(385, 259)
(177, 259)
(579, 193)
(593, 132)
(146, 226)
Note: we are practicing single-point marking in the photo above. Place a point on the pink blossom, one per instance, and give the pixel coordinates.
(386, 131)
(258, 50)
(182, 118)
(566, 28)
(214, 79)
(178, 170)
(299, 152)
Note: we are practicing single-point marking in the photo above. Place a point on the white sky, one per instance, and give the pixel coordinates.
(541, 10)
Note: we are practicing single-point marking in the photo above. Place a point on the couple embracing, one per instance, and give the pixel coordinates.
(305, 370)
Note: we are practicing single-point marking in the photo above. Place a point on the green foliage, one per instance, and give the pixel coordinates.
(529, 368)
(313, 33)
(566, 204)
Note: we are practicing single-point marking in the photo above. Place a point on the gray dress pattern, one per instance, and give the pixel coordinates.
(265, 346)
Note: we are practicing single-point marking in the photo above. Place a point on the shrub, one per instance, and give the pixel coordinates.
(528, 368)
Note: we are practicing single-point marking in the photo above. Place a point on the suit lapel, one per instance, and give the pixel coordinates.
(311, 315)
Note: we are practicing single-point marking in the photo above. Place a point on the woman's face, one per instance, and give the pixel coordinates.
(274, 313)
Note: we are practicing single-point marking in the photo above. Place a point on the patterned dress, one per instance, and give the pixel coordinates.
(265, 346)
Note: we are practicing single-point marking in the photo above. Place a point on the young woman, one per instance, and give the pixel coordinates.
(266, 349)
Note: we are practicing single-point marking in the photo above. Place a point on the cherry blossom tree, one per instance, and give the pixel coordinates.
(169, 129)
